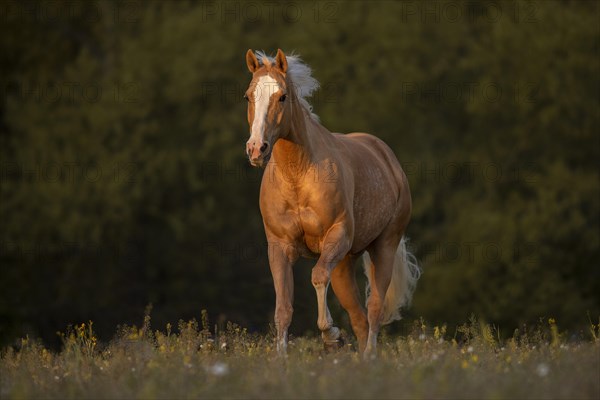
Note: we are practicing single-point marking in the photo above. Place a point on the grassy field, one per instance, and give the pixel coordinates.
(193, 361)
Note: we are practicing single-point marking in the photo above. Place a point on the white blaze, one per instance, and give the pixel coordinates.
(263, 90)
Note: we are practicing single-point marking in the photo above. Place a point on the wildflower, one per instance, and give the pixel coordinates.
(438, 333)
(470, 349)
(219, 369)
(542, 369)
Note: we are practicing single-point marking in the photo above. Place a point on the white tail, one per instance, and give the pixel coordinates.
(405, 274)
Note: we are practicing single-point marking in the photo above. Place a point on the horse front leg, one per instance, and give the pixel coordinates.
(281, 259)
(335, 247)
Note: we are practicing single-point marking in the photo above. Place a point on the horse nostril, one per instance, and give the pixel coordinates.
(264, 147)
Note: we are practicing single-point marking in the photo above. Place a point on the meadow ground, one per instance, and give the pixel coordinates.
(193, 361)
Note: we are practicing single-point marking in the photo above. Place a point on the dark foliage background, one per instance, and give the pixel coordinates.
(124, 181)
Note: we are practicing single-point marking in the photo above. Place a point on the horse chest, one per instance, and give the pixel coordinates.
(312, 228)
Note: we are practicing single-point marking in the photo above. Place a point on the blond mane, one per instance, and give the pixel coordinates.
(300, 75)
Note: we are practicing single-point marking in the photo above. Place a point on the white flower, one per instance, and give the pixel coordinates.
(219, 369)
(542, 369)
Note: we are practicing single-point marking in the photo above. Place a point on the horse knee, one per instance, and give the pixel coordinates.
(283, 316)
(320, 276)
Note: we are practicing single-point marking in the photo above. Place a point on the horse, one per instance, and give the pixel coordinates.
(333, 197)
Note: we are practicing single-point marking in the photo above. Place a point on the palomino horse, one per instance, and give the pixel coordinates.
(327, 196)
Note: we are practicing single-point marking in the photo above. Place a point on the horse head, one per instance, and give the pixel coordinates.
(269, 97)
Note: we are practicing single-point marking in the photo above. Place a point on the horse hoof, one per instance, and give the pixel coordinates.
(333, 345)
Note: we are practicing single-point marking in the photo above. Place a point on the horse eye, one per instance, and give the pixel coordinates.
(282, 98)
(246, 97)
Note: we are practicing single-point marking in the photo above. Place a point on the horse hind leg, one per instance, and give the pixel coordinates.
(379, 271)
(393, 276)
(343, 282)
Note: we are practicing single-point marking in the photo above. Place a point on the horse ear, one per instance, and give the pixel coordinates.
(281, 61)
(251, 61)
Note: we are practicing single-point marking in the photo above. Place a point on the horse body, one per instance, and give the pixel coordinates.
(331, 197)
(356, 173)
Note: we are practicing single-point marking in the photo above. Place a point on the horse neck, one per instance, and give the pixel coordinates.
(297, 151)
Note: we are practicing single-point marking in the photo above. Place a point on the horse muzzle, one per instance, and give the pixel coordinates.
(258, 156)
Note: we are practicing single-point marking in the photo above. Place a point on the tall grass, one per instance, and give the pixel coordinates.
(194, 360)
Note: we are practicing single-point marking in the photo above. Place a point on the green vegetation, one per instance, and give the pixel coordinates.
(123, 179)
(197, 362)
